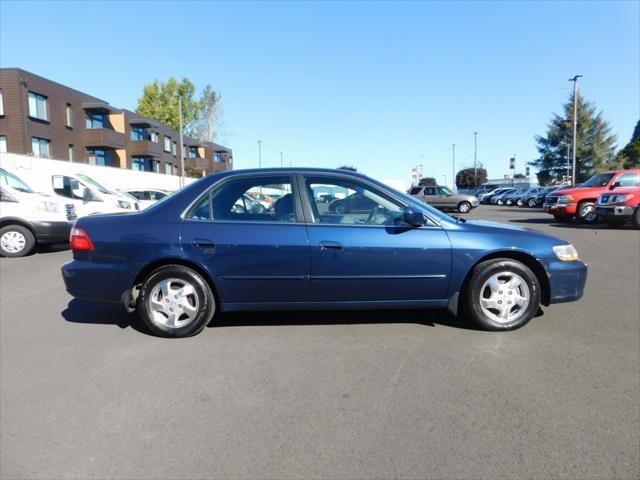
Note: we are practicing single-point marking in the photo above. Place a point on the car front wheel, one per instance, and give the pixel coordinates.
(587, 212)
(502, 294)
(464, 207)
(16, 241)
(531, 202)
(175, 301)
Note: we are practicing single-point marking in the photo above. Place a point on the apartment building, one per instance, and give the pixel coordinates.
(43, 118)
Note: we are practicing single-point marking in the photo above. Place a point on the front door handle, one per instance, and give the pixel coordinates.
(204, 244)
(326, 245)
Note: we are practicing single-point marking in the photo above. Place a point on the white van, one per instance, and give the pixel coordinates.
(88, 196)
(27, 217)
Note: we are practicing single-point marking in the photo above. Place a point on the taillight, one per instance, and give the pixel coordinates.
(79, 240)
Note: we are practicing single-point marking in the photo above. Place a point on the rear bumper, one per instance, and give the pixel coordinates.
(98, 282)
(560, 210)
(52, 232)
(566, 280)
(619, 213)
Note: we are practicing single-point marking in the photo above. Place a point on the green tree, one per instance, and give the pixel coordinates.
(629, 156)
(428, 182)
(465, 178)
(193, 172)
(160, 101)
(208, 123)
(595, 144)
(350, 168)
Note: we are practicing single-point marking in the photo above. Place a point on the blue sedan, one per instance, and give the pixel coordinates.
(203, 250)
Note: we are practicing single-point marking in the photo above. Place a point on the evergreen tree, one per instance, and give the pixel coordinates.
(595, 145)
(629, 156)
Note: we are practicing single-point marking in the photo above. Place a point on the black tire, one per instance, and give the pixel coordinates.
(587, 212)
(340, 208)
(636, 218)
(531, 203)
(503, 268)
(464, 207)
(202, 297)
(16, 241)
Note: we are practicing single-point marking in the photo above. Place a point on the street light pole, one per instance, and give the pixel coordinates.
(181, 142)
(575, 127)
(475, 159)
(445, 179)
(259, 153)
(281, 162)
(453, 166)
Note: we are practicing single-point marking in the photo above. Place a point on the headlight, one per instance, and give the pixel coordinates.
(566, 253)
(48, 207)
(565, 199)
(123, 204)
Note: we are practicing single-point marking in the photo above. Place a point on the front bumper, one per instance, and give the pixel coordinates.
(566, 280)
(560, 209)
(52, 232)
(615, 212)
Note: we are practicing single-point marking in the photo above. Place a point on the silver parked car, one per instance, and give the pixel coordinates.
(444, 199)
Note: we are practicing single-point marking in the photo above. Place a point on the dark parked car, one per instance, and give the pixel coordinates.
(356, 202)
(192, 254)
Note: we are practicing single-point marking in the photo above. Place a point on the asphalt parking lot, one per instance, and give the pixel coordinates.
(85, 394)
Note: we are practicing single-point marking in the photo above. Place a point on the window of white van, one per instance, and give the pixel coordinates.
(14, 182)
(93, 183)
(68, 187)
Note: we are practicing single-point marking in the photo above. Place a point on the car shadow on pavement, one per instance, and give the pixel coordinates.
(81, 311)
(341, 317)
(52, 247)
(572, 224)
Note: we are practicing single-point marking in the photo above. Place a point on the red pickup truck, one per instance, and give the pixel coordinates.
(620, 205)
(580, 202)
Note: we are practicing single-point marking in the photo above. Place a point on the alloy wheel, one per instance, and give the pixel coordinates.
(173, 303)
(504, 297)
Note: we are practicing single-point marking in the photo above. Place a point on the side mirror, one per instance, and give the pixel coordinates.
(87, 195)
(615, 185)
(413, 218)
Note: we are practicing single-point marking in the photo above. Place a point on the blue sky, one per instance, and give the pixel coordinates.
(377, 85)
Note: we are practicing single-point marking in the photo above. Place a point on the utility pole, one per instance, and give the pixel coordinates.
(281, 162)
(453, 167)
(445, 179)
(181, 142)
(475, 160)
(575, 127)
(259, 153)
(568, 156)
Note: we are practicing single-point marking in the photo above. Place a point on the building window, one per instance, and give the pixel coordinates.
(168, 168)
(70, 150)
(38, 106)
(139, 134)
(69, 115)
(145, 164)
(218, 157)
(154, 137)
(1, 103)
(100, 157)
(3, 144)
(40, 146)
(97, 120)
(174, 148)
(167, 144)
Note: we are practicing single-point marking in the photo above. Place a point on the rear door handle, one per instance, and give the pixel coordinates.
(326, 245)
(204, 244)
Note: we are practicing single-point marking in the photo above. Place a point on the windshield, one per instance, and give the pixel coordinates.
(14, 182)
(92, 182)
(600, 180)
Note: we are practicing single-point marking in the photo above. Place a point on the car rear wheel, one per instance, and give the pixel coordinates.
(531, 202)
(175, 301)
(339, 208)
(520, 203)
(464, 207)
(16, 241)
(587, 212)
(502, 294)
